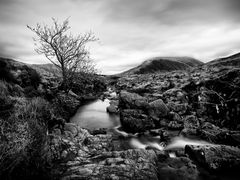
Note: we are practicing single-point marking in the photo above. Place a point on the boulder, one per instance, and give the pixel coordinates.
(191, 126)
(134, 120)
(174, 125)
(132, 101)
(158, 109)
(72, 128)
(175, 117)
(191, 122)
(178, 168)
(215, 134)
(180, 108)
(215, 157)
(112, 109)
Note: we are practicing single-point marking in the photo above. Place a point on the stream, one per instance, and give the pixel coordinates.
(93, 115)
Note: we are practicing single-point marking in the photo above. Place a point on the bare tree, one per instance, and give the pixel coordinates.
(65, 51)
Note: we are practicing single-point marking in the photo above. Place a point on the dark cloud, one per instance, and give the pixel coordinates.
(173, 11)
(130, 30)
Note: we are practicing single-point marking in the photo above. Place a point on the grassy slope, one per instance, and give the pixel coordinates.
(164, 64)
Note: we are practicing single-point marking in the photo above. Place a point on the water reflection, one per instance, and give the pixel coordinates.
(92, 115)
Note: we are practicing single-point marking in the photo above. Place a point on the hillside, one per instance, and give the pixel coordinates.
(46, 69)
(233, 60)
(164, 64)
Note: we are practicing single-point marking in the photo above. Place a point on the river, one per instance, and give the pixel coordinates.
(93, 115)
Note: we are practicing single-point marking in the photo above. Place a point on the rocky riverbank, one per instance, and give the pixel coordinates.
(156, 105)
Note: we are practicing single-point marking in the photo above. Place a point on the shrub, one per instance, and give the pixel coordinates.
(24, 144)
(3, 88)
(5, 73)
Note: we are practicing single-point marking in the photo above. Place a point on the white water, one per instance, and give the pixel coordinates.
(181, 142)
(176, 143)
(93, 115)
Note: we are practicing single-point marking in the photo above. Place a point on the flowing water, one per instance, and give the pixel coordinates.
(93, 115)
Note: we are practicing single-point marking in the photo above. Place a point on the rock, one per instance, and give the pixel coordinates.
(191, 126)
(215, 134)
(158, 109)
(72, 128)
(177, 107)
(133, 120)
(99, 131)
(112, 109)
(132, 101)
(215, 157)
(174, 125)
(130, 164)
(191, 122)
(178, 168)
(176, 95)
(175, 116)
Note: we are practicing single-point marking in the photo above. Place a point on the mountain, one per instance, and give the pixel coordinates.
(164, 64)
(233, 60)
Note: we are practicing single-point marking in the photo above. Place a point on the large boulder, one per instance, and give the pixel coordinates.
(134, 120)
(158, 109)
(218, 135)
(178, 168)
(215, 157)
(132, 101)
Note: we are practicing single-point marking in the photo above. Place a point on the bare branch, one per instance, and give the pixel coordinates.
(62, 49)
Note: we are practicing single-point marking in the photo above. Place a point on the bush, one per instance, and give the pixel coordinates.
(29, 77)
(5, 73)
(3, 88)
(24, 144)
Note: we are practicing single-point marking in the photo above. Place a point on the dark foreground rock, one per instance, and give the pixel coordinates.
(178, 168)
(132, 101)
(135, 163)
(134, 120)
(216, 157)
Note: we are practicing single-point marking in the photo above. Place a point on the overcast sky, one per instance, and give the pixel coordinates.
(129, 30)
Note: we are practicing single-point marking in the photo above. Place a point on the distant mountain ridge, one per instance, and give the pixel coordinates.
(232, 60)
(162, 64)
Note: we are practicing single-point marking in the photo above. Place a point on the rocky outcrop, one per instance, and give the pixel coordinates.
(134, 120)
(113, 107)
(132, 101)
(214, 134)
(136, 163)
(215, 157)
(178, 168)
(158, 109)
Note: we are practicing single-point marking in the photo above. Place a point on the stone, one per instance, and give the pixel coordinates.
(133, 121)
(112, 109)
(175, 116)
(180, 108)
(72, 128)
(158, 109)
(178, 168)
(191, 122)
(215, 134)
(129, 164)
(215, 157)
(174, 125)
(132, 101)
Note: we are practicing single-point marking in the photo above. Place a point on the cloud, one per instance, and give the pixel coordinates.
(130, 31)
